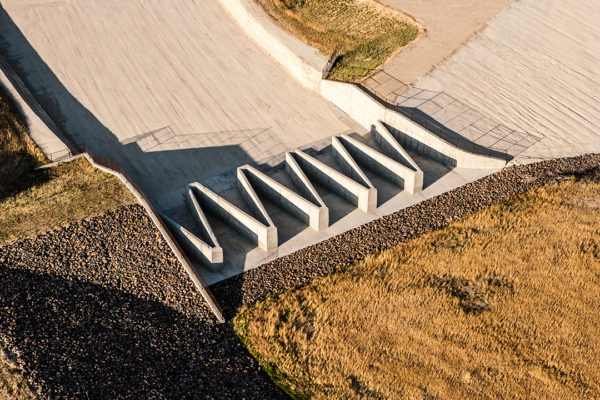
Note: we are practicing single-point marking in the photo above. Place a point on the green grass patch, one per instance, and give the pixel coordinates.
(363, 33)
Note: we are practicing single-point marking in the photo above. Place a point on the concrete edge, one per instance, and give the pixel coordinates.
(367, 112)
(264, 236)
(317, 217)
(384, 166)
(302, 71)
(363, 197)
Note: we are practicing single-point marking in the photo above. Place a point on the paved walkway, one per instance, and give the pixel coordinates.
(173, 91)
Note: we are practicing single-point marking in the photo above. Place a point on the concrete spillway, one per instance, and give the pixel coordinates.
(260, 212)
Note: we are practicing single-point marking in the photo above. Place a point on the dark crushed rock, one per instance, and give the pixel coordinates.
(101, 309)
(339, 252)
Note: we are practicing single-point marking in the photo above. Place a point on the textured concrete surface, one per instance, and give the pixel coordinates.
(174, 91)
(438, 110)
(448, 23)
(536, 68)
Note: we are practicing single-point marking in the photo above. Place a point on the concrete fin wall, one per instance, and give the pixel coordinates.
(265, 236)
(301, 180)
(365, 198)
(391, 147)
(348, 164)
(211, 256)
(317, 217)
(382, 165)
(200, 219)
(251, 198)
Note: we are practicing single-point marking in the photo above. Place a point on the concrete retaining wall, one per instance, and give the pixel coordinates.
(317, 217)
(254, 24)
(259, 233)
(367, 112)
(365, 198)
(384, 166)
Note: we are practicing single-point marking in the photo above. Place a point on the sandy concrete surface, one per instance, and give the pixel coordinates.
(535, 67)
(448, 23)
(174, 91)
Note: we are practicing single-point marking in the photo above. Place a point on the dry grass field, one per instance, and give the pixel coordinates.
(34, 202)
(502, 304)
(364, 32)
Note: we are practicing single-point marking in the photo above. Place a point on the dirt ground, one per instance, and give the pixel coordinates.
(448, 23)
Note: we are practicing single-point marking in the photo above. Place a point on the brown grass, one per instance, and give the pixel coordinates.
(33, 202)
(503, 304)
(12, 383)
(18, 153)
(364, 32)
(60, 195)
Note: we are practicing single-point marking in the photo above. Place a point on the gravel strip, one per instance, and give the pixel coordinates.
(101, 309)
(340, 251)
